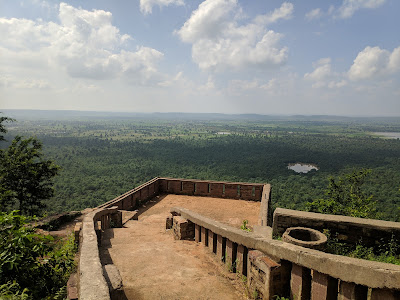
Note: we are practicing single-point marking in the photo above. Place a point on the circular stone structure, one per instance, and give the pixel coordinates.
(305, 237)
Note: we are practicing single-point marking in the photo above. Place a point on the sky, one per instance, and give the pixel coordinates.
(338, 57)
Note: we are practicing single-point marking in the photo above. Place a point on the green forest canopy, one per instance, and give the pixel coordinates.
(104, 156)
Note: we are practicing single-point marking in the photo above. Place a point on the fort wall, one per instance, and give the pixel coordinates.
(269, 264)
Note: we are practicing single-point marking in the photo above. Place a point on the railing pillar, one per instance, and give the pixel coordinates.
(197, 233)
(230, 259)
(266, 277)
(300, 283)
(323, 287)
(221, 247)
(212, 241)
(204, 236)
(386, 294)
(352, 291)
(241, 260)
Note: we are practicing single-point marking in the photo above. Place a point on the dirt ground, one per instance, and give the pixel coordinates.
(155, 266)
(228, 211)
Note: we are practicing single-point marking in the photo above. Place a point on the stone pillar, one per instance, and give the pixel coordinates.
(266, 277)
(221, 247)
(169, 222)
(386, 294)
(197, 232)
(230, 259)
(204, 236)
(212, 241)
(352, 291)
(300, 283)
(323, 287)
(241, 260)
(183, 229)
(77, 231)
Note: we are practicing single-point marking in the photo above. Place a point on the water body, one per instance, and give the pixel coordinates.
(389, 135)
(302, 167)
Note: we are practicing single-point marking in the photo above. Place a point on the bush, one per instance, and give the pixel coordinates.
(37, 264)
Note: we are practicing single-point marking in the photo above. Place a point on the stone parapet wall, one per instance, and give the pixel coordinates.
(92, 283)
(134, 197)
(345, 229)
(316, 267)
(217, 189)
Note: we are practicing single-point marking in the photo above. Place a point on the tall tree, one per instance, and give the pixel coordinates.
(25, 175)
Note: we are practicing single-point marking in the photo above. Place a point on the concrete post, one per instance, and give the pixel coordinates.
(323, 287)
(204, 236)
(212, 241)
(241, 259)
(352, 291)
(300, 283)
(197, 233)
(221, 247)
(386, 294)
(230, 259)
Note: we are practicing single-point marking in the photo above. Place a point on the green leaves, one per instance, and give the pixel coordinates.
(25, 176)
(344, 196)
(32, 261)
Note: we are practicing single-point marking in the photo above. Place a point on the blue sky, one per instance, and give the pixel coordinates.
(228, 56)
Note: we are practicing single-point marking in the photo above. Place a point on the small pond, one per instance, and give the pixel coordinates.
(389, 135)
(302, 167)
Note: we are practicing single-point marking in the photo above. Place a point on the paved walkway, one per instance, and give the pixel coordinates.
(155, 266)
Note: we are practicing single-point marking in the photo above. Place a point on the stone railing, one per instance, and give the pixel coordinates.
(346, 229)
(192, 187)
(92, 283)
(274, 267)
(218, 189)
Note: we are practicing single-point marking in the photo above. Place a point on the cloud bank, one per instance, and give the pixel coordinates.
(219, 42)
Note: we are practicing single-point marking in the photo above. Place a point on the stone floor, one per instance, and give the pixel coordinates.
(155, 266)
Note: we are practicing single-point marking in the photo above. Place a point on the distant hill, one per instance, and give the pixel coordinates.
(25, 114)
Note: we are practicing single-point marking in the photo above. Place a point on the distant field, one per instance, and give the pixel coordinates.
(104, 155)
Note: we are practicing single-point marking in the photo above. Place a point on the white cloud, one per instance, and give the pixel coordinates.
(10, 81)
(284, 12)
(219, 42)
(146, 6)
(323, 76)
(84, 44)
(314, 14)
(349, 7)
(373, 62)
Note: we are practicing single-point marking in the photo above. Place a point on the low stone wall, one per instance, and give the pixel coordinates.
(347, 229)
(265, 217)
(92, 284)
(218, 189)
(135, 197)
(351, 275)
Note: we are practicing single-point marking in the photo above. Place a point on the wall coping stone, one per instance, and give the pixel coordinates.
(368, 273)
(211, 181)
(370, 223)
(93, 285)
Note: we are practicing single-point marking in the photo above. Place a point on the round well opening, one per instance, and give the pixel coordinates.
(304, 234)
(305, 237)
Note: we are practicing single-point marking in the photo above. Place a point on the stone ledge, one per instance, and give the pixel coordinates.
(92, 283)
(363, 272)
(343, 220)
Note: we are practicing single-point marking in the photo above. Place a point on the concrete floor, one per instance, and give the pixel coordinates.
(155, 266)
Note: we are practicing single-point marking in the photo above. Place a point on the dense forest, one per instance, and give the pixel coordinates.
(102, 156)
